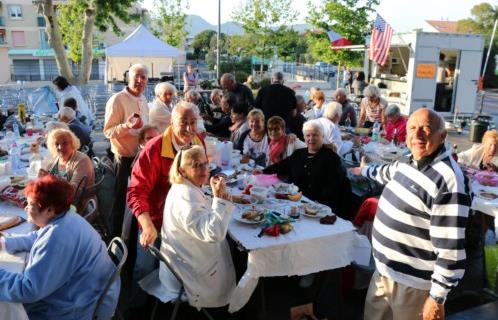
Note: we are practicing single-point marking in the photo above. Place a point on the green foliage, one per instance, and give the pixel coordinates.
(211, 55)
(232, 66)
(260, 19)
(206, 85)
(290, 44)
(201, 42)
(71, 25)
(169, 21)
(349, 18)
(482, 19)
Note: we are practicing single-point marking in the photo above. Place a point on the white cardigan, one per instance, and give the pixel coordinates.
(473, 156)
(193, 240)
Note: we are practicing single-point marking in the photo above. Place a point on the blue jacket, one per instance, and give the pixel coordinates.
(67, 269)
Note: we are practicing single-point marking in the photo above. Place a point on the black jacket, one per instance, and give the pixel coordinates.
(276, 100)
(321, 178)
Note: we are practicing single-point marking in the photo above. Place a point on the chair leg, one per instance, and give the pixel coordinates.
(208, 316)
(154, 309)
(175, 309)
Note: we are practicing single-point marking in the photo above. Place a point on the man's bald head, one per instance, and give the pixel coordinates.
(228, 81)
(425, 132)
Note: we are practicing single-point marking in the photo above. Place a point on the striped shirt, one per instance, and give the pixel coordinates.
(373, 111)
(419, 228)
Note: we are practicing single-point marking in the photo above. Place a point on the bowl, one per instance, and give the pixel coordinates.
(259, 194)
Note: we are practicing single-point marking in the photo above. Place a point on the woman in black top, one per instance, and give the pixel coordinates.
(318, 172)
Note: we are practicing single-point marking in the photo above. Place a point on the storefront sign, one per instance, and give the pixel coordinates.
(426, 70)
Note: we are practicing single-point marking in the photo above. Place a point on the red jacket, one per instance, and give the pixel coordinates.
(149, 183)
(400, 124)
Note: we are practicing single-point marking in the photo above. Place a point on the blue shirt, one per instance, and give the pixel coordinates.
(67, 269)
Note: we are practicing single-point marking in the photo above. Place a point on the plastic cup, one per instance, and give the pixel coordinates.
(29, 132)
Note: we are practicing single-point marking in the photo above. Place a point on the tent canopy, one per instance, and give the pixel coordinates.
(142, 43)
(141, 46)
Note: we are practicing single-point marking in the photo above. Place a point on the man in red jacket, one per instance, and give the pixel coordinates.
(149, 183)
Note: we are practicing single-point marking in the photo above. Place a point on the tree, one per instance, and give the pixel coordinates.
(349, 18)
(170, 21)
(290, 44)
(482, 19)
(202, 41)
(84, 15)
(211, 55)
(260, 18)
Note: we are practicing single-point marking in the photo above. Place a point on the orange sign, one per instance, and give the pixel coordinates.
(426, 70)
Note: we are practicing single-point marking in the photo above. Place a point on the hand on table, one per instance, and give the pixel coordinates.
(432, 310)
(357, 170)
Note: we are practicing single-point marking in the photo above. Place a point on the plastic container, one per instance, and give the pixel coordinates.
(15, 157)
(375, 131)
(226, 153)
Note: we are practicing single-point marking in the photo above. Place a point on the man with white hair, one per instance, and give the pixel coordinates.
(68, 116)
(243, 93)
(347, 108)
(332, 134)
(276, 99)
(125, 113)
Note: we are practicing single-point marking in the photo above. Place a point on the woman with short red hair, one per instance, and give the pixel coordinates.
(68, 264)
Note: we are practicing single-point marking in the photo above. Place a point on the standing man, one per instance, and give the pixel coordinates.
(347, 108)
(125, 113)
(419, 228)
(276, 99)
(243, 93)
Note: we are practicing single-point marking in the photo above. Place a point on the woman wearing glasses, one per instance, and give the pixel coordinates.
(194, 230)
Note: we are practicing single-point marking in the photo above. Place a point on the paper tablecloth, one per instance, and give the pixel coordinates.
(310, 247)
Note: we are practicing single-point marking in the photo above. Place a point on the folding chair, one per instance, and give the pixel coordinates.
(118, 252)
(78, 193)
(159, 256)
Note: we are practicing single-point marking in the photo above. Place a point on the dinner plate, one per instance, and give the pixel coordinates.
(238, 217)
(322, 211)
(487, 195)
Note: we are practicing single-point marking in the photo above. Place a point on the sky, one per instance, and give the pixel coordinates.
(402, 15)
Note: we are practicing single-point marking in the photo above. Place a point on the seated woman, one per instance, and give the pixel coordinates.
(316, 111)
(332, 134)
(194, 231)
(162, 106)
(318, 172)
(66, 161)
(484, 155)
(68, 264)
(281, 145)
(371, 107)
(238, 116)
(255, 145)
(395, 121)
(221, 127)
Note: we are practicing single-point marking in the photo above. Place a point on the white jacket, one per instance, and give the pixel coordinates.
(160, 114)
(81, 105)
(473, 156)
(193, 240)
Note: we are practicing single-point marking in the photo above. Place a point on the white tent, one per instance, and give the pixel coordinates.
(141, 46)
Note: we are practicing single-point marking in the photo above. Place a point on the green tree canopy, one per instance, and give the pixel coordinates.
(482, 19)
(202, 41)
(349, 18)
(169, 21)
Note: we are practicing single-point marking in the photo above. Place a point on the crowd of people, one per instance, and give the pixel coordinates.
(161, 164)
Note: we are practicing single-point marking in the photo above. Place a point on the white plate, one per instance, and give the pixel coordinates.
(483, 195)
(322, 211)
(238, 217)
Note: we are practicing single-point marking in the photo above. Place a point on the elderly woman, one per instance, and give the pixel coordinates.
(371, 108)
(193, 235)
(318, 172)
(221, 127)
(484, 155)
(281, 145)
(395, 122)
(67, 162)
(255, 145)
(332, 134)
(160, 109)
(316, 111)
(68, 264)
(215, 97)
(238, 116)
(149, 183)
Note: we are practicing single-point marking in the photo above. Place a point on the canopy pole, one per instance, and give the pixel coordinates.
(218, 43)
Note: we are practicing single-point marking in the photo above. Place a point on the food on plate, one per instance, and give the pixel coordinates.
(245, 159)
(330, 219)
(311, 209)
(286, 228)
(487, 195)
(240, 200)
(295, 197)
(253, 215)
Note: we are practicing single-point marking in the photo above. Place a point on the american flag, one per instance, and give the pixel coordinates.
(380, 41)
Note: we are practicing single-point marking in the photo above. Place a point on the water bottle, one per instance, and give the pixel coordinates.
(375, 131)
(395, 137)
(347, 122)
(15, 127)
(15, 157)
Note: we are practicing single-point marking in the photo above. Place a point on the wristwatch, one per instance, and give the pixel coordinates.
(439, 300)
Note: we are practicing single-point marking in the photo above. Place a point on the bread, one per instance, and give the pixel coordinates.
(252, 215)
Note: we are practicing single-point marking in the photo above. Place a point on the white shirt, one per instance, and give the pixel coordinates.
(82, 106)
(160, 114)
(332, 135)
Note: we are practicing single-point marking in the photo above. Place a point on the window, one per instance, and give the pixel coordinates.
(15, 11)
(18, 39)
(2, 36)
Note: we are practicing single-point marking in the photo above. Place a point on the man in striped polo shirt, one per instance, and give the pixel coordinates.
(419, 229)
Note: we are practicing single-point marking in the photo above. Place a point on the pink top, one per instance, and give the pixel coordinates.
(400, 124)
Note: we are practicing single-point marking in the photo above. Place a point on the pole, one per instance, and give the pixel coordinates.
(218, 42)
(489, 48)
(337, 75)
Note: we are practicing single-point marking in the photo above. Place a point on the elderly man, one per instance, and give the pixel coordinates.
(419, 228)
(347, 108)
(243, 93)
(125, 113)
(149, 183)
(68, 115)
(276, 99)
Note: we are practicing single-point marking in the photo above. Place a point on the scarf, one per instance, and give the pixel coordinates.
(277, 148)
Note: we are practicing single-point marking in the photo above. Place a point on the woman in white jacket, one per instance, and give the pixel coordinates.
(194, 230)
(162, 106)
(483, 155)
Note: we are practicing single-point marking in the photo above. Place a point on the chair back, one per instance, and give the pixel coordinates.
(78, 193)
(118, 252)
(156, 253)
(90, 210)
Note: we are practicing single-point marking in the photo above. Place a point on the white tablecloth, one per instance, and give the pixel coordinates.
(489, 207)
(310, 247)
(13, 263)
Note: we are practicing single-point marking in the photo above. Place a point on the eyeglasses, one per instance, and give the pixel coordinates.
(200, 165)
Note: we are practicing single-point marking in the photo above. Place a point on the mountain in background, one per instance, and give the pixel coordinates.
(196, 24)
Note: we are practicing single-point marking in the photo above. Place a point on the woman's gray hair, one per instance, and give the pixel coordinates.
(56, 134)
(371, 91)
(181, 107)
(216, 92)
(163, 87)
(313, 125)
(392, 110)
(52, 125)
(331, 110)
(67, 113)
(193, 95)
